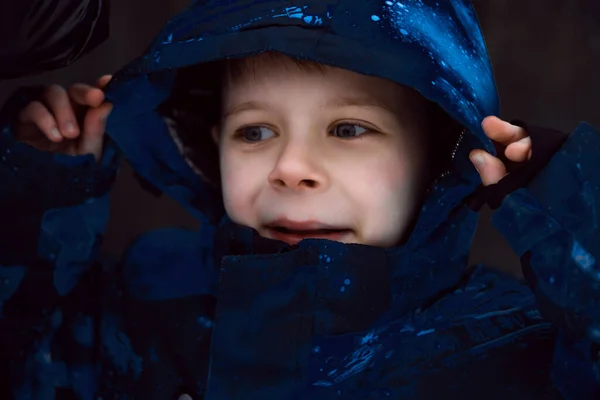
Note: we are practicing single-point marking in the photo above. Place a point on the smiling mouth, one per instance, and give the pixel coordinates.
(305, 231)
(293, 236)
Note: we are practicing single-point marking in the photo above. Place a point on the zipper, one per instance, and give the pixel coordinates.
(458, 143)
(452, 157)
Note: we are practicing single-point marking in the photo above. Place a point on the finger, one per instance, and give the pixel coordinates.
(103, 81)
(57, 101)
(501, 131)
(519, 151)
(36, 114)
(86, 95)
(94, 125)
(490, 168)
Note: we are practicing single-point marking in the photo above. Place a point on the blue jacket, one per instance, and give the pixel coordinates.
(221, 313)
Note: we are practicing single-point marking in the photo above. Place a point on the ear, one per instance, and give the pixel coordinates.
(215, 134)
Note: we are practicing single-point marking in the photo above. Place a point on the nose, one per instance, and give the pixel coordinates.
(298, 168)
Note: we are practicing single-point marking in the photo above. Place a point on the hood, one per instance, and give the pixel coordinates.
(433, 46)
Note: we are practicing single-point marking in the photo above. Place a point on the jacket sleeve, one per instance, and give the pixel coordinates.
(553, 224)
(41, 35)
(54, 209)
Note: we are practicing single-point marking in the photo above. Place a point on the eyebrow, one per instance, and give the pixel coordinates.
(337, 102)
(246, 106)
(358, 101)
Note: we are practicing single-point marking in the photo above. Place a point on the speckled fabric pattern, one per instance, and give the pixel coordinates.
(221, 313)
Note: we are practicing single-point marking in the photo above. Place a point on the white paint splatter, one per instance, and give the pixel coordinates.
(369, 338)
(584, 260)
(300, 13)
(465, 56)
(425, 332)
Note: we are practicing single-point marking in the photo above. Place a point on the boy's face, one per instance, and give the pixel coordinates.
(321, 154)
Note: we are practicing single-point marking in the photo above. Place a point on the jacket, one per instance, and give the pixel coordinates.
(221, 313)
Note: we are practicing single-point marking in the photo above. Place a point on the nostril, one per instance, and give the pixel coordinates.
(279, 182)
(304, 183)
(309, 183)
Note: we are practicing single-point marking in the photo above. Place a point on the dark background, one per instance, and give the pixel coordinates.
(545, 53)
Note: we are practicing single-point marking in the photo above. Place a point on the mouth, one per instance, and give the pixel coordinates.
(293, 232)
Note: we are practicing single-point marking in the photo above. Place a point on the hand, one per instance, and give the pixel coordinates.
(512, 144)
(53, 123)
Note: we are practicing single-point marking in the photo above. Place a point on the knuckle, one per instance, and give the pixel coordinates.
(35, 110)
(78, 92)
(41, 116)
(46, 122)
(55, 89)
(55, 96)
(75, 87)
(30, 109)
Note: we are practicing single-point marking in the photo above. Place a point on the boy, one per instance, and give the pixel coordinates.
(337, 205)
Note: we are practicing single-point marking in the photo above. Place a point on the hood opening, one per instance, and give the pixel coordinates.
(191, 110)
(194, 107)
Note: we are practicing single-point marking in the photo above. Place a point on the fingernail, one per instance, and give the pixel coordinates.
(55, 133)
(478, 160)
(70, 127)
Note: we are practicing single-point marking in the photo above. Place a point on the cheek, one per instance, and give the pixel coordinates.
(238, 183)
(390, 193)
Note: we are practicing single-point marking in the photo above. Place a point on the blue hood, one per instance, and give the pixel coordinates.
(435, 47)
(276, 304)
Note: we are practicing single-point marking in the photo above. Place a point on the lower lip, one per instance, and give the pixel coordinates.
(294, 238)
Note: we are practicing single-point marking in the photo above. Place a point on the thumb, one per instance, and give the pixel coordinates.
(94, 124)
(103, 81)
(490, 168)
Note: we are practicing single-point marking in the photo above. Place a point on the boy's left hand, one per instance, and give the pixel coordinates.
(512, 144)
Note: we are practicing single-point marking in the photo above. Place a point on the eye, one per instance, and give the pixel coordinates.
(253, 134)
(348, 131)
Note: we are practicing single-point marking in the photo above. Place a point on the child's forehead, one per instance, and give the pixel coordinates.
(276, 67)
(271, 69)
(246, 68)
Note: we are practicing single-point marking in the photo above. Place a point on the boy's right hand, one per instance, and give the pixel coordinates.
(66, 121)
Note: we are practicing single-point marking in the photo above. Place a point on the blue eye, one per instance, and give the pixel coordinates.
(348, 131)
(254, 134)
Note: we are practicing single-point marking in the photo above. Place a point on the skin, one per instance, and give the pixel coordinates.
(302, 169)
(69, 121)
(276, 177)
(510, 140)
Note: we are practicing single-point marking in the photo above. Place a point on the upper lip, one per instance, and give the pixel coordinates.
(302, 226)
